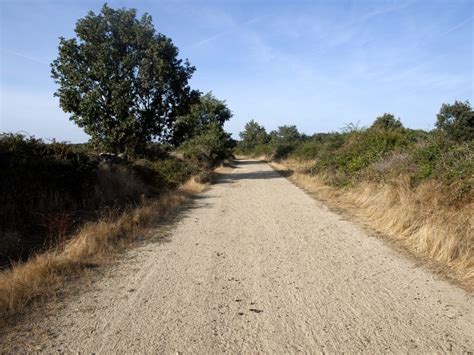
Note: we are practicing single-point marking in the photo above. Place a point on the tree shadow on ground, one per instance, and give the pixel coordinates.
(236, 176)
(249, 162)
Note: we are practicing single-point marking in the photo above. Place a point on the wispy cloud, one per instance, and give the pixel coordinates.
(24, 56)
(234, 28)
(458, 26)
(383, 10)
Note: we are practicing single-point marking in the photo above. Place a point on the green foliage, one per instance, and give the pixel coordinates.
(285, 135)
(121, 80)
(456, 121)
(359, 150)
(280, 143)
(208, 110)
(251, 137)
(284, 141)
(387, 122)
(210, 147)
(169, 172)
(387, 150)
(155, 151)
(318, 145)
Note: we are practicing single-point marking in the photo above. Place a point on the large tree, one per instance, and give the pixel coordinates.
(204, 113)
(121, 80)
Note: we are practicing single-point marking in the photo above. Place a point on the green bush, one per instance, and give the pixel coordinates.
(386, 151)
(209, 147)
(360, 149)
(450, 163)
(318, 145)
(254, 137)
(173, 172)
(456, 121)
(387, 122)
(155, 151)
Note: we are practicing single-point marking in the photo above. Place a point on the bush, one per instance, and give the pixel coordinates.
(386, 151)
(253, 137)
(173, 172)
(387, 122)
(155, 151)
(46, 190)
(450, 163)
(359, 150)
(320, 144)
(284, 141)
(456, 121)
(210, 147)
(40, 180)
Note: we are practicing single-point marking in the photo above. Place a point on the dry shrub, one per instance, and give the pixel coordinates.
(413, 216)
(43, 276)
(118, 182)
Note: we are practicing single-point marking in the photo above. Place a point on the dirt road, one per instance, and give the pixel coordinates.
(258, 265)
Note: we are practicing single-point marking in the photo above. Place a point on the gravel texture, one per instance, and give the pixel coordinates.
(257, 265)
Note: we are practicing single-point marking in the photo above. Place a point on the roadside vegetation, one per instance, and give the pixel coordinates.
(65, 208)
(412, 185)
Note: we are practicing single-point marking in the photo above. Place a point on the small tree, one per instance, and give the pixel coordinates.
(284, 140)
(387, 122)
(121, 80)
(209, 147)
(456, 120)
(252, 136)
(285, 135)
(207, 111)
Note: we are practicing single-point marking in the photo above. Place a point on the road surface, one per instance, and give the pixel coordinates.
(257, 265)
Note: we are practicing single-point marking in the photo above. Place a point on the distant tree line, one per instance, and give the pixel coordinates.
(384, 151)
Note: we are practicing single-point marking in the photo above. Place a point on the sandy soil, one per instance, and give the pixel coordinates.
(260, 266)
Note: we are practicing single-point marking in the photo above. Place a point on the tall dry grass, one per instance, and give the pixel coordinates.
(43, 276)
(414, 217)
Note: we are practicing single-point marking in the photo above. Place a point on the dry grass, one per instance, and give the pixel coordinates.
(43, 276)
(414, 217)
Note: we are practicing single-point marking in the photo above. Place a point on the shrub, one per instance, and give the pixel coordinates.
(284, 141)
(318, 145)
(173, 172)
(387, 122)
(46, 190)
(360, 149)
(40, 180)
(253, 136)
(210, 147)
(456, 121)
(155, 151)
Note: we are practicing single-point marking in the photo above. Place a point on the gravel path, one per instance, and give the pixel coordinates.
(260, 266)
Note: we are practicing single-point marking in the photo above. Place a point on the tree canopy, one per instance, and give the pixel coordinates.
(456, 120)
(287, 134)
(387, 121)
(121, 80)
(253, 135)
(204, 113)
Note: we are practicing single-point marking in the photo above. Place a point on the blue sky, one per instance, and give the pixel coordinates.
(316, 64)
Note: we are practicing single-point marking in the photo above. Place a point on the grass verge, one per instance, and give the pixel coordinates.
(413, 216)
(43, 276)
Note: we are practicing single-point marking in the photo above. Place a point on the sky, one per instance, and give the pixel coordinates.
(316, 64)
